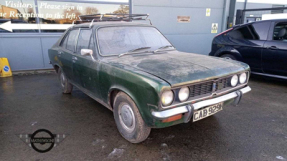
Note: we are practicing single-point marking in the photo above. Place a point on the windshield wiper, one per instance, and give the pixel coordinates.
(140, 48)
(133, 50)
(164, 47)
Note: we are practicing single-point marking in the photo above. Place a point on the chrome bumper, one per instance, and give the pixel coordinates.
(187, 110)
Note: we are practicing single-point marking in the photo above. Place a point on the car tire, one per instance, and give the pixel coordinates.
(65, 85)
(128, 119)
(228, 56)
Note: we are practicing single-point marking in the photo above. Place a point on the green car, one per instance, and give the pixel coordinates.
(134, 71)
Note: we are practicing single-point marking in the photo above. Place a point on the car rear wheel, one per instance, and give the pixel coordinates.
(228, 56)
(65, 85)
(128, 119)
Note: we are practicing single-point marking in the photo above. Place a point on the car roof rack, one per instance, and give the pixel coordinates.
(111, 17)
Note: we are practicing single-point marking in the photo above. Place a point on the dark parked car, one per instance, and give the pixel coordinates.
(262, 45)
(134, 71)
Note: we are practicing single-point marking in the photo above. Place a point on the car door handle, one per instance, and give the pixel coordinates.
(59, 53)
(272, 47)
(74, 59)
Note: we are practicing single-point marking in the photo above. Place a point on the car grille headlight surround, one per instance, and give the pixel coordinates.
(234, 80)
(242, 78)
(167, 98)
(183, 94)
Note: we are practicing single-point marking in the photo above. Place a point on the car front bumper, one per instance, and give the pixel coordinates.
(187, 110)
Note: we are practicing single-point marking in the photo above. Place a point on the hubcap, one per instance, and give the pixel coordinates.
(127, 117)
(63, 80)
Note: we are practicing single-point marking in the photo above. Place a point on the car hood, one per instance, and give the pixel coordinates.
(178, 68)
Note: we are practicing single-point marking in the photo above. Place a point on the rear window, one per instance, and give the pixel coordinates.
(255, 31)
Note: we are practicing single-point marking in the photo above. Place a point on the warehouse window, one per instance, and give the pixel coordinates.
(277, 11)
(20, 13)
(61, 15)
(51, 16)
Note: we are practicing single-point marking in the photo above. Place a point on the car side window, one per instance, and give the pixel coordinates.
(64, 42)
(84, 40)
(72, 40)
(255, 31)
(280, 32)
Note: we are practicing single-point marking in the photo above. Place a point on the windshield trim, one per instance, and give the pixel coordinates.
(137, 25)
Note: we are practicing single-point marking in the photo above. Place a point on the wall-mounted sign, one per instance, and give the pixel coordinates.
(208, 10)
(26, 26)
(214, 28)
(183, 19)
(50, 16)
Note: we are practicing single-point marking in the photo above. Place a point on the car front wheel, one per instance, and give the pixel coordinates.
(128, 119)
(65, 85)
(228, 56)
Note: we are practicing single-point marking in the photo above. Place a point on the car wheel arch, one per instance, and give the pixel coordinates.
(56, 67)
(233, 52)
(115, 90)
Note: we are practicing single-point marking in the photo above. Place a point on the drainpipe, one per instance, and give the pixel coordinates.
(232, 5)
(245, 4)
(130, 7)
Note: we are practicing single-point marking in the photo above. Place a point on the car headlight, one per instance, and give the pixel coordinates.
(183, 94)
(242, 78)
(167, 98)
(234, 80)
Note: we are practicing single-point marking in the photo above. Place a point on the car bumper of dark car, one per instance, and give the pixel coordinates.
(187, 110)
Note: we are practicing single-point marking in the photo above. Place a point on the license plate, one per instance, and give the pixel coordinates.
(207, 111)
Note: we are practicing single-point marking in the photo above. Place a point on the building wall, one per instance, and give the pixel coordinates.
(193, 37)
(27, 52)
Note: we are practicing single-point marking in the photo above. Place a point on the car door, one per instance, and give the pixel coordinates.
(249, 41)
(274, 56)
(85, 68)
(66, 53)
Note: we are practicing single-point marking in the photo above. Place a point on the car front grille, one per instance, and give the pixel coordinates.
(207, 87)
(222, 83)
(200, 89)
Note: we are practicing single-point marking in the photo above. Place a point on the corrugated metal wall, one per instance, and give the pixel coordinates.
(193, 37)
(27, 52)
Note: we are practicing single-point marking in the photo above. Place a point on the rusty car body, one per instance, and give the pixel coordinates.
(152, 86)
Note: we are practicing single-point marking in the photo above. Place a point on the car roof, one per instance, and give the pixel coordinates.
(273, 20)
(110, 23)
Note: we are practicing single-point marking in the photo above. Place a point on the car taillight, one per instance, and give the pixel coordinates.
(224, 32)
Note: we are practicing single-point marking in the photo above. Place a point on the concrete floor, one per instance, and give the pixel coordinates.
(254, 130)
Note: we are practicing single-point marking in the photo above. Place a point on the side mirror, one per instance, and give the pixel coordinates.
(86, 52)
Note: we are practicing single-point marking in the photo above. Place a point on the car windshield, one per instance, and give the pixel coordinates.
(119, 40)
